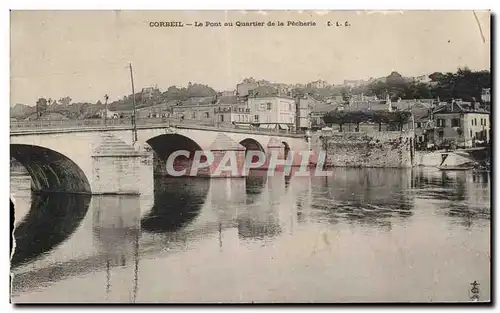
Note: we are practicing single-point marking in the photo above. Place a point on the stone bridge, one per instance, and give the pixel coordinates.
(86, 156)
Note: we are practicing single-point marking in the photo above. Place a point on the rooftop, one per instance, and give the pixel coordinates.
(459, 107)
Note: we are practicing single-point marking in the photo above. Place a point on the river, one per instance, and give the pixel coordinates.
(361, 235)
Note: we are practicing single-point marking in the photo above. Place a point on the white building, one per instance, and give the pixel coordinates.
(108, 113)
(273, 112)
(318, 84)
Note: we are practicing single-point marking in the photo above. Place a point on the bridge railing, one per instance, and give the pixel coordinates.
(27, 126)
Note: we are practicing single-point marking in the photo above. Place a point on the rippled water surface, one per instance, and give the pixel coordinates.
(360, 235)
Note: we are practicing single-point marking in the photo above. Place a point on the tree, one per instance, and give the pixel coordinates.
(398, 118)
(335, 117)
(346, 94)
(464, 84)
(65, 101)
(380, 117)
(41, 106)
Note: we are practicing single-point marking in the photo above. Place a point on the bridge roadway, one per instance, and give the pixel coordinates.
(95, 156)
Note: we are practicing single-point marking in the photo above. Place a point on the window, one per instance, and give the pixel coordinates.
(256, 118)
(419, 125)
(269, 106)
(441, 134)
(207, 115)
(471, 133)
(193, 115)
(475, 121)
(455, 122)
(441, 122)
(289, 107)
(222, 117)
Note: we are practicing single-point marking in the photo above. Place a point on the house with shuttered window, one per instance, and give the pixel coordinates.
(463, 123)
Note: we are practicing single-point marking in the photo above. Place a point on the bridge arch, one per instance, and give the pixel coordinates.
(166, 144)
(251, 145)
(50, 170)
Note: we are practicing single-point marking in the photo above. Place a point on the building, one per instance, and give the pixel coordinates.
(273, 112)
(221, 109)
(408, 104)
(231, 110)
(354, 83)
(302, 113)
(318, 84)
(159, 110)
(305, 107)
(150, 93)
(108, 113)
(228, 93)
(369, 105)
(464, 124)
(486, 95)
(318, 112)
(486, 98)
(421, 79)
(199, 112)
(244, 88)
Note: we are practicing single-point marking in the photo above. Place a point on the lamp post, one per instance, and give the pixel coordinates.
(106, 97)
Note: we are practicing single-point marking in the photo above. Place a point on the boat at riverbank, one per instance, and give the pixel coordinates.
(455, 168)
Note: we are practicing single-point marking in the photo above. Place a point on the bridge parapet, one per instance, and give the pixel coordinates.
(23, 127)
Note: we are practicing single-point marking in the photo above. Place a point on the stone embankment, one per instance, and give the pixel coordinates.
(392, 149)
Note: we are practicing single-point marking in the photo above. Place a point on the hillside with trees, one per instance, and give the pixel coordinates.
(463, 84)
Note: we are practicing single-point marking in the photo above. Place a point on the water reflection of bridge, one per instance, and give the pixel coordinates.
(184, 210)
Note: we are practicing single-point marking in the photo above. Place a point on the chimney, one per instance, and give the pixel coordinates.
(476, 105)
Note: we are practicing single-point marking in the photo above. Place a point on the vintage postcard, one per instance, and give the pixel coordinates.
(250, 156)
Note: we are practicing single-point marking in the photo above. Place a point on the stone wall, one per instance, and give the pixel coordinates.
(379, 149)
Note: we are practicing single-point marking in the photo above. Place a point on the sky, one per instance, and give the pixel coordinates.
(85, 54)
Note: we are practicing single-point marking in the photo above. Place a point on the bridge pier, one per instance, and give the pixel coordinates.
(116, 168)
(229, 158)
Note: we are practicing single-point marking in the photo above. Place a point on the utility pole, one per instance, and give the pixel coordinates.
(134, 126)
(106, 97)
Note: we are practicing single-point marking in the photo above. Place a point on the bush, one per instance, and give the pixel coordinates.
(398, 118)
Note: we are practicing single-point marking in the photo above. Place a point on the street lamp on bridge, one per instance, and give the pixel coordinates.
(106, 97)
